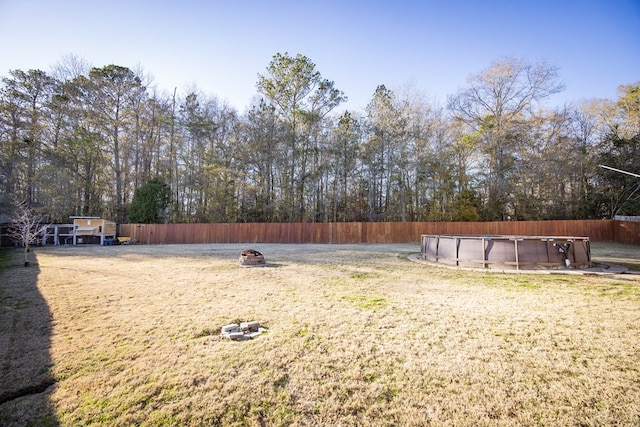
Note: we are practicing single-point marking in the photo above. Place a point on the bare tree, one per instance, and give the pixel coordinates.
(496, 104)
(70, 67)
(25, 227)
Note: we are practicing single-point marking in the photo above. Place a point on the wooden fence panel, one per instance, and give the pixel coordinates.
(627, 232)
(372, 232)
(346, 232)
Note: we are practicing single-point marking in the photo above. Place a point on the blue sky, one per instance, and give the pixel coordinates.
(221, 46)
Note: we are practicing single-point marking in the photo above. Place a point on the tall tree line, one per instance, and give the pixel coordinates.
(80, 140)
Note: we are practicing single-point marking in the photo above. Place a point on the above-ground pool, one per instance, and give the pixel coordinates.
(507, 252)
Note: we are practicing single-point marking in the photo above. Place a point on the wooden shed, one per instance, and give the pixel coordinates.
(87, 229)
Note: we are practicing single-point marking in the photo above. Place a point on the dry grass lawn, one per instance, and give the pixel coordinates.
(357, 336)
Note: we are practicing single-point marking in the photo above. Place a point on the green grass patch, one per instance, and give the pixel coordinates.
(363, 275)
(620, 289)
(366, 302)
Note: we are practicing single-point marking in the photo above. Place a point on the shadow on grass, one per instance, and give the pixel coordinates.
(25, 339)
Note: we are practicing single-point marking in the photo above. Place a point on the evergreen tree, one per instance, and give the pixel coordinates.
(149, 202)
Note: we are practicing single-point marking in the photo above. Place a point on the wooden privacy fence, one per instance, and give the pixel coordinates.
(626, 232)
(372, 232)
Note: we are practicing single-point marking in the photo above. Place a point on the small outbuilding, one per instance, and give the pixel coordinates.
(57, 234)
(84, 229)
(90, 229)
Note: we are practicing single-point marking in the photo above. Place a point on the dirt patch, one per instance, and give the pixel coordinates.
(355, 335)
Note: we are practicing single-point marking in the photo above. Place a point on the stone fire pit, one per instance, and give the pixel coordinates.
(251, 258)
(242, 331)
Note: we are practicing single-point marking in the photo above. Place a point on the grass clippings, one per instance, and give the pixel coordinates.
(356, 335)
